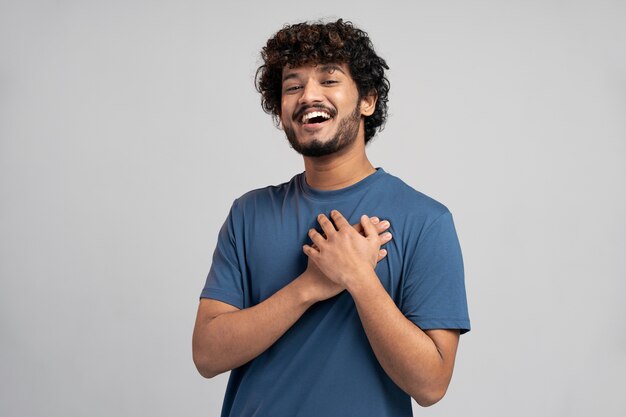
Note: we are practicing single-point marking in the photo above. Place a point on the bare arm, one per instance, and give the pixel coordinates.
(226, 337)
(419, 362)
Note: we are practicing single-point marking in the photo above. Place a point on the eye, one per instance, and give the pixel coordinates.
(292, 88)
(329, 82)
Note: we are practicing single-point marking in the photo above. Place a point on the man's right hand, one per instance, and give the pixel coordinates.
(226, 337)
(318, 286)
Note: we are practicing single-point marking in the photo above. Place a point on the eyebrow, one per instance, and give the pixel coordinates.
(290, 76)
(331, 68)
(323, 68)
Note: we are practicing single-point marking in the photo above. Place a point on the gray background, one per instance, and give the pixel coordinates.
(127, 128)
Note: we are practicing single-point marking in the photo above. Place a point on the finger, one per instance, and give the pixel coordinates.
(309, 251)
(381, 255)
(316, 237)
(327, 225)
(382, 226)
(384, 238)
(339, 220)
(368, 227)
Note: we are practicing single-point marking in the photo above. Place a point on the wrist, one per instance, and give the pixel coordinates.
(304, 292)
(362, 279)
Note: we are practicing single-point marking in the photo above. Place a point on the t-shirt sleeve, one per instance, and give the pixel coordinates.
(434, 284)
(225, 279)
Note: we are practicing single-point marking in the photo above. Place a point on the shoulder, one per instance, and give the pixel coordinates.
(410, 200)
(264, 197)
(411, 212)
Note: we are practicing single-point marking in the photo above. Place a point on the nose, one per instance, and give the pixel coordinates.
(311, 93)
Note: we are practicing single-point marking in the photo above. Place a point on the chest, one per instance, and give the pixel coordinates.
(274, 256)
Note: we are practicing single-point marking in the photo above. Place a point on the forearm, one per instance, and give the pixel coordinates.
(234, 338)
(407, 354)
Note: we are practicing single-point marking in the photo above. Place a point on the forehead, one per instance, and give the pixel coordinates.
(327, 68)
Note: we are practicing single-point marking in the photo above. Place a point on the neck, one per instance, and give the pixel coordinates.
(339, 170)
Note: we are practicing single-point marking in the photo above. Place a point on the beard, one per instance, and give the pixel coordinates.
(347, 133)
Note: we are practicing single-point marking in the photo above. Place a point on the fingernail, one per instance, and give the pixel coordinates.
(384, 223)
(387, 236)
(375, 220)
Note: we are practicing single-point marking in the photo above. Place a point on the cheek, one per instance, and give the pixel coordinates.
(283, 119)
(346, 99)
(284, 110)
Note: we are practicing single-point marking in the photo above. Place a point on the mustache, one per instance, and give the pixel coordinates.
(299, 112)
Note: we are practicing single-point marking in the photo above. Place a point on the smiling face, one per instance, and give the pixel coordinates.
(321, 111)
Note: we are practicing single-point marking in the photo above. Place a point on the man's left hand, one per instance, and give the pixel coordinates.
(344, 255)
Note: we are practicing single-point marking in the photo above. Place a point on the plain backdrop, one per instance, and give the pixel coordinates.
(127, 128)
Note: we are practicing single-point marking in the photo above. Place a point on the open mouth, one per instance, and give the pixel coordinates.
(315, 117)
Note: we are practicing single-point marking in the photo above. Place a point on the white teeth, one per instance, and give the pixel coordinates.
(311, 115)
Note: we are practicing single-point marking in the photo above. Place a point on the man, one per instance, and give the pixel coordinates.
(309, 313)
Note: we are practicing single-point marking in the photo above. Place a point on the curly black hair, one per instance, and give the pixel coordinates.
(321, 43)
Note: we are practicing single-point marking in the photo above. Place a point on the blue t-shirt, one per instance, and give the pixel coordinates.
(324, 365)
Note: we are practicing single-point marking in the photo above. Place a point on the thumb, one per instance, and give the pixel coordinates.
(368, 227)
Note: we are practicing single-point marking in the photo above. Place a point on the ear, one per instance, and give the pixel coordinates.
(368, 104)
